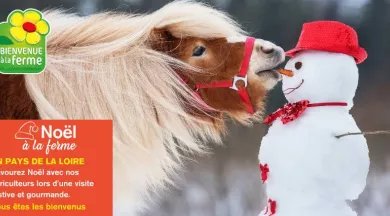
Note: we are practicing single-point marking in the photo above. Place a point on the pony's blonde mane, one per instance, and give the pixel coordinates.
(102, 67)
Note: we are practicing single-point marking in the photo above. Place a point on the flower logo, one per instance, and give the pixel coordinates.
(28, 26)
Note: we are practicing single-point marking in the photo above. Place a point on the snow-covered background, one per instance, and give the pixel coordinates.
(227, 183)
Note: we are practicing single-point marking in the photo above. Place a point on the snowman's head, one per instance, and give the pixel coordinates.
(321, 77)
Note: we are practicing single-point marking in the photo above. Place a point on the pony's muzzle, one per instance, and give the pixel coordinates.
(269, 49)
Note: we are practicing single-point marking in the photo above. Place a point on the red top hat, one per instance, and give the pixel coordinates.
(329, 36)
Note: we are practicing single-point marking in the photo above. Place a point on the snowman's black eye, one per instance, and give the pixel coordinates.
(298, 65)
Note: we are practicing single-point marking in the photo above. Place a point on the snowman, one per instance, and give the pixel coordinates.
(307, 170)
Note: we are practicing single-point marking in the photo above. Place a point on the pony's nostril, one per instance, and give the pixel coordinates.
(267, 50)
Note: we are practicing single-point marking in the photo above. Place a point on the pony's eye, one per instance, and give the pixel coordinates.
(298, 65)
(198, 51)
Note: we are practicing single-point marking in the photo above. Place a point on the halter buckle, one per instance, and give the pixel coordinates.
(239, 78)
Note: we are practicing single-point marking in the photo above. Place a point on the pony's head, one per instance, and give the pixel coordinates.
(217, 53)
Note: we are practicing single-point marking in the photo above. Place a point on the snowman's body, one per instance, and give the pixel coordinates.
(311, 172)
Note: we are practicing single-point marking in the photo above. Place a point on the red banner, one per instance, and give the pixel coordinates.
(56, 168)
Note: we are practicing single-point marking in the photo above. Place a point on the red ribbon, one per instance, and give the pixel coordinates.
(292, 111)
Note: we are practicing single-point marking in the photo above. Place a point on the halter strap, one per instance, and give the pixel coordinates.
(241, 76)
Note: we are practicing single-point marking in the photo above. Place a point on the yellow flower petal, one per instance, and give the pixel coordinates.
(16, 19)
(42, 27)
(33, 38)
(18, 33)
(32, 16)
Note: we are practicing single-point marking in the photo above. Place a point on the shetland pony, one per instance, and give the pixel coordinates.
(141, 71)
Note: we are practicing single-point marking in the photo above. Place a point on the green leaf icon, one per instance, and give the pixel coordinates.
(5, 40)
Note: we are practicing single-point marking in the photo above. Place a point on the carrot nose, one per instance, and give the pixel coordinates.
(286, 72)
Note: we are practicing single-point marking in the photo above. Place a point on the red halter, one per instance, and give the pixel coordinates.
(242, 75)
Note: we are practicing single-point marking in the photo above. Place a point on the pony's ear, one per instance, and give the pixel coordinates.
(162, 40)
